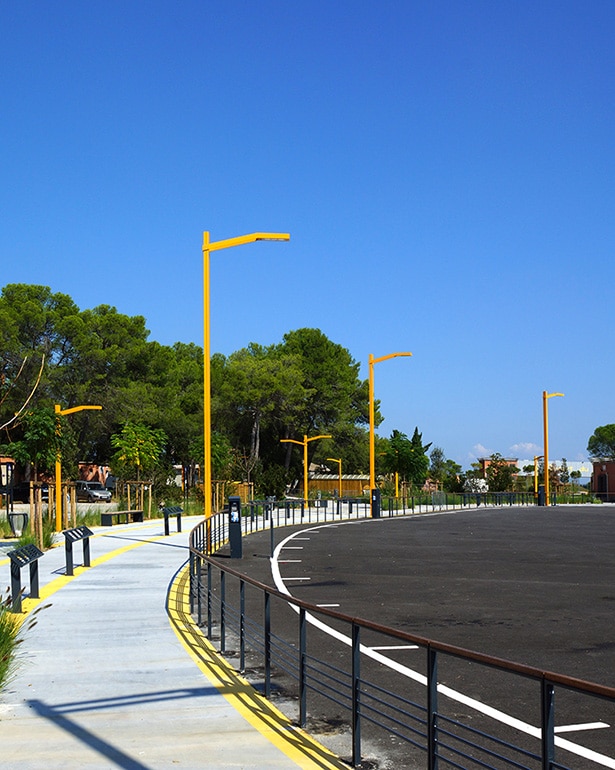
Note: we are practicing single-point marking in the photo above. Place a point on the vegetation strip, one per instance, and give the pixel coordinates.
(256, 709)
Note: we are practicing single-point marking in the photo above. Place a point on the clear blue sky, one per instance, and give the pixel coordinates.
(446, 170)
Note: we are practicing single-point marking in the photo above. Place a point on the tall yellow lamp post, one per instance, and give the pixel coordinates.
(58, 474)
(372, 442)
(339, 467)
(304, 444)
(545, 420)
(208, 247)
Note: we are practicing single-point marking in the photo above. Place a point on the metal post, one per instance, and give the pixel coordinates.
(356, 695)
(69, 556)
(548, 724)
(432, 709)
(302, 669)
(267, 643)
(242, 625)
(86, 551)
(222, 611)
(209, 612)
(16, 586)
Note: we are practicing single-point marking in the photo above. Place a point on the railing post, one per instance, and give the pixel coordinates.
(209, 613)
(267, 644)
(242, 625)
(432, 709)
(302, 669)
(199, 572)
(548, 723)
(222, 611)
(356, 695)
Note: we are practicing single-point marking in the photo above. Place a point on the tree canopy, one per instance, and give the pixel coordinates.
(51, 352)
(601, 443)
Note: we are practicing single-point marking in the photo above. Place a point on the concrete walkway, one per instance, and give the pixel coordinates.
(115, 674)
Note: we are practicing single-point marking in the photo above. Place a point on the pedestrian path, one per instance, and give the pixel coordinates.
(115, 673)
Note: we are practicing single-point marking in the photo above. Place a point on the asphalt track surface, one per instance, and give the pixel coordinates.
(531, 585)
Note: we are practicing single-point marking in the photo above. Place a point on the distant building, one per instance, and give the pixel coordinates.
(485, 462)
(353, 485)
(603, 480)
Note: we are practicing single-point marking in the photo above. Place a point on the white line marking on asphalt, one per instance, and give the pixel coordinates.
(289, 561)
(586, 726)
(454, 695)
(293, 548)
(327, 605)
(298, 578)
(395, 646)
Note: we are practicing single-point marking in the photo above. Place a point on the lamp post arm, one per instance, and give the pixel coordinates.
(386, 358)
(241, 240)
(74, 409)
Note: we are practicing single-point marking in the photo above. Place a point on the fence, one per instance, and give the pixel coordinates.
(427, 704)
(263, 514)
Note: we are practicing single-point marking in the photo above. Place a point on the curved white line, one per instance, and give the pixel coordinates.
(454, 695)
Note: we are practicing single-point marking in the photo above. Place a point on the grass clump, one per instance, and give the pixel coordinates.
(12, 627)
(9, 632)
(28, 537)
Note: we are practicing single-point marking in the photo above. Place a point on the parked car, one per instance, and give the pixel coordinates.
(92, 492)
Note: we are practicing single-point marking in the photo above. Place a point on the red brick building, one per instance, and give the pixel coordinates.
(603, 480)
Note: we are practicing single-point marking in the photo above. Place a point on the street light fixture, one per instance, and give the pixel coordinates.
(372, 450)
(304, 444)
(208, 247)
(58, 474)
(339, 465)
(545, 419)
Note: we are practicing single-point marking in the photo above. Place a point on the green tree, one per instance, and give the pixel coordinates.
(500, 474)
(419, 463)
(408, 457)
(564, 473)
(334, 393)
(445, 472)
(138, 449)
(39, 443)
(601, 444)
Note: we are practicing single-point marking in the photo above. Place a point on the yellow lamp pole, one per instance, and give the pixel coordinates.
(339, 464)
(58, 474)
(304, 444)
(545, 420)
(536, 459)
(372, 442)
(208, 247)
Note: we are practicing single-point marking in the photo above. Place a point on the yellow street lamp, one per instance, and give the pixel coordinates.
(372, 450)
(304, 444)
(58, 474)
(545, 419)
(207, 248)
(536, 459)
(339, 464)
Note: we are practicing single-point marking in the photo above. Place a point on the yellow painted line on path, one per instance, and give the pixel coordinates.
(293, 742)
(28, 605)
(296, 744)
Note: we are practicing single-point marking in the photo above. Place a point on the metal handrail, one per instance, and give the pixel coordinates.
(423, 725)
